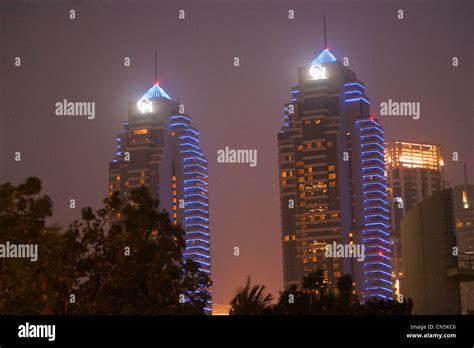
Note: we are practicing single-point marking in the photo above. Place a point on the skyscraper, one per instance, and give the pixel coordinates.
(414, 172)
(159, 148)
(332, 180)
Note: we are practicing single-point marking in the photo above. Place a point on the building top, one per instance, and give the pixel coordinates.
(155, 92)
(414, 155)
(323, 58)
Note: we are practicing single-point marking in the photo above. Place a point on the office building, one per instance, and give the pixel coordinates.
(159, 148)
(332, 180)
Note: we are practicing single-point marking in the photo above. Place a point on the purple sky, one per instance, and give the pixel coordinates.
(82, 60)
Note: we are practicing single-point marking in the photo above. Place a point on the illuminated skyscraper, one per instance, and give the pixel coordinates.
(159, 148)
(414, 172)
(332, 180)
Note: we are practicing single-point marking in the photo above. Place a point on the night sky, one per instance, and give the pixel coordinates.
(82, 60)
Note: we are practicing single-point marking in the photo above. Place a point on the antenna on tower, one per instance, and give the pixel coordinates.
(156, 72)
(325, 37)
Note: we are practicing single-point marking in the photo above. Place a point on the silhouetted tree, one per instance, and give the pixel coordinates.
(123, 259)
(314, 298)
(251, 300)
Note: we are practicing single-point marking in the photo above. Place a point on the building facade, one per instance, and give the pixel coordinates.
(431, 272)
(332, 181)
(414, 172)
(464, 216)
(159, 148)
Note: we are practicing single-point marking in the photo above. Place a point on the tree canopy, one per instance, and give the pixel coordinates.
(126, 258)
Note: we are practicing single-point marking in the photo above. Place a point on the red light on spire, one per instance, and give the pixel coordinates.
(371, 118)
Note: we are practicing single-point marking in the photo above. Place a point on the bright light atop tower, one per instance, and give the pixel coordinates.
(145, 105)
(317, 72)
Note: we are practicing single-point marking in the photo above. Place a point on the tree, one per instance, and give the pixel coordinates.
(125, 258)
(314, 298)
(26, 286)
(251, 300)
(376, 306)
(137, 266)
(347, 301)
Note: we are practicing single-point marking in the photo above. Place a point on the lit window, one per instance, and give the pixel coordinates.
(117, 178)
(140, 131)
(317, 121)
(174, 185)
(142, 181)
(332, 184)
(310, 169)
(293, 237)
(283, 174)
(331, 168)
(300, 148)
(174, 178)
(286, 238)
(318, 144)
(308, 145)
(332, 176)
(330, 144)
(464, 200)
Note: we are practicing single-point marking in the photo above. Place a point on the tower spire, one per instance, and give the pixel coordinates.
(156, 72)
(325, 37)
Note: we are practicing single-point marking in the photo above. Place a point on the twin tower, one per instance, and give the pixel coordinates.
(331, 170)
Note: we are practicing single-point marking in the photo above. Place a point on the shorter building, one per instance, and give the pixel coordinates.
(464, 215)
(220, 309)
(428, 241)
(414, 172)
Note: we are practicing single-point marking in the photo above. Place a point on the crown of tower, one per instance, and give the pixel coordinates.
(155, 92)
(323, 58)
